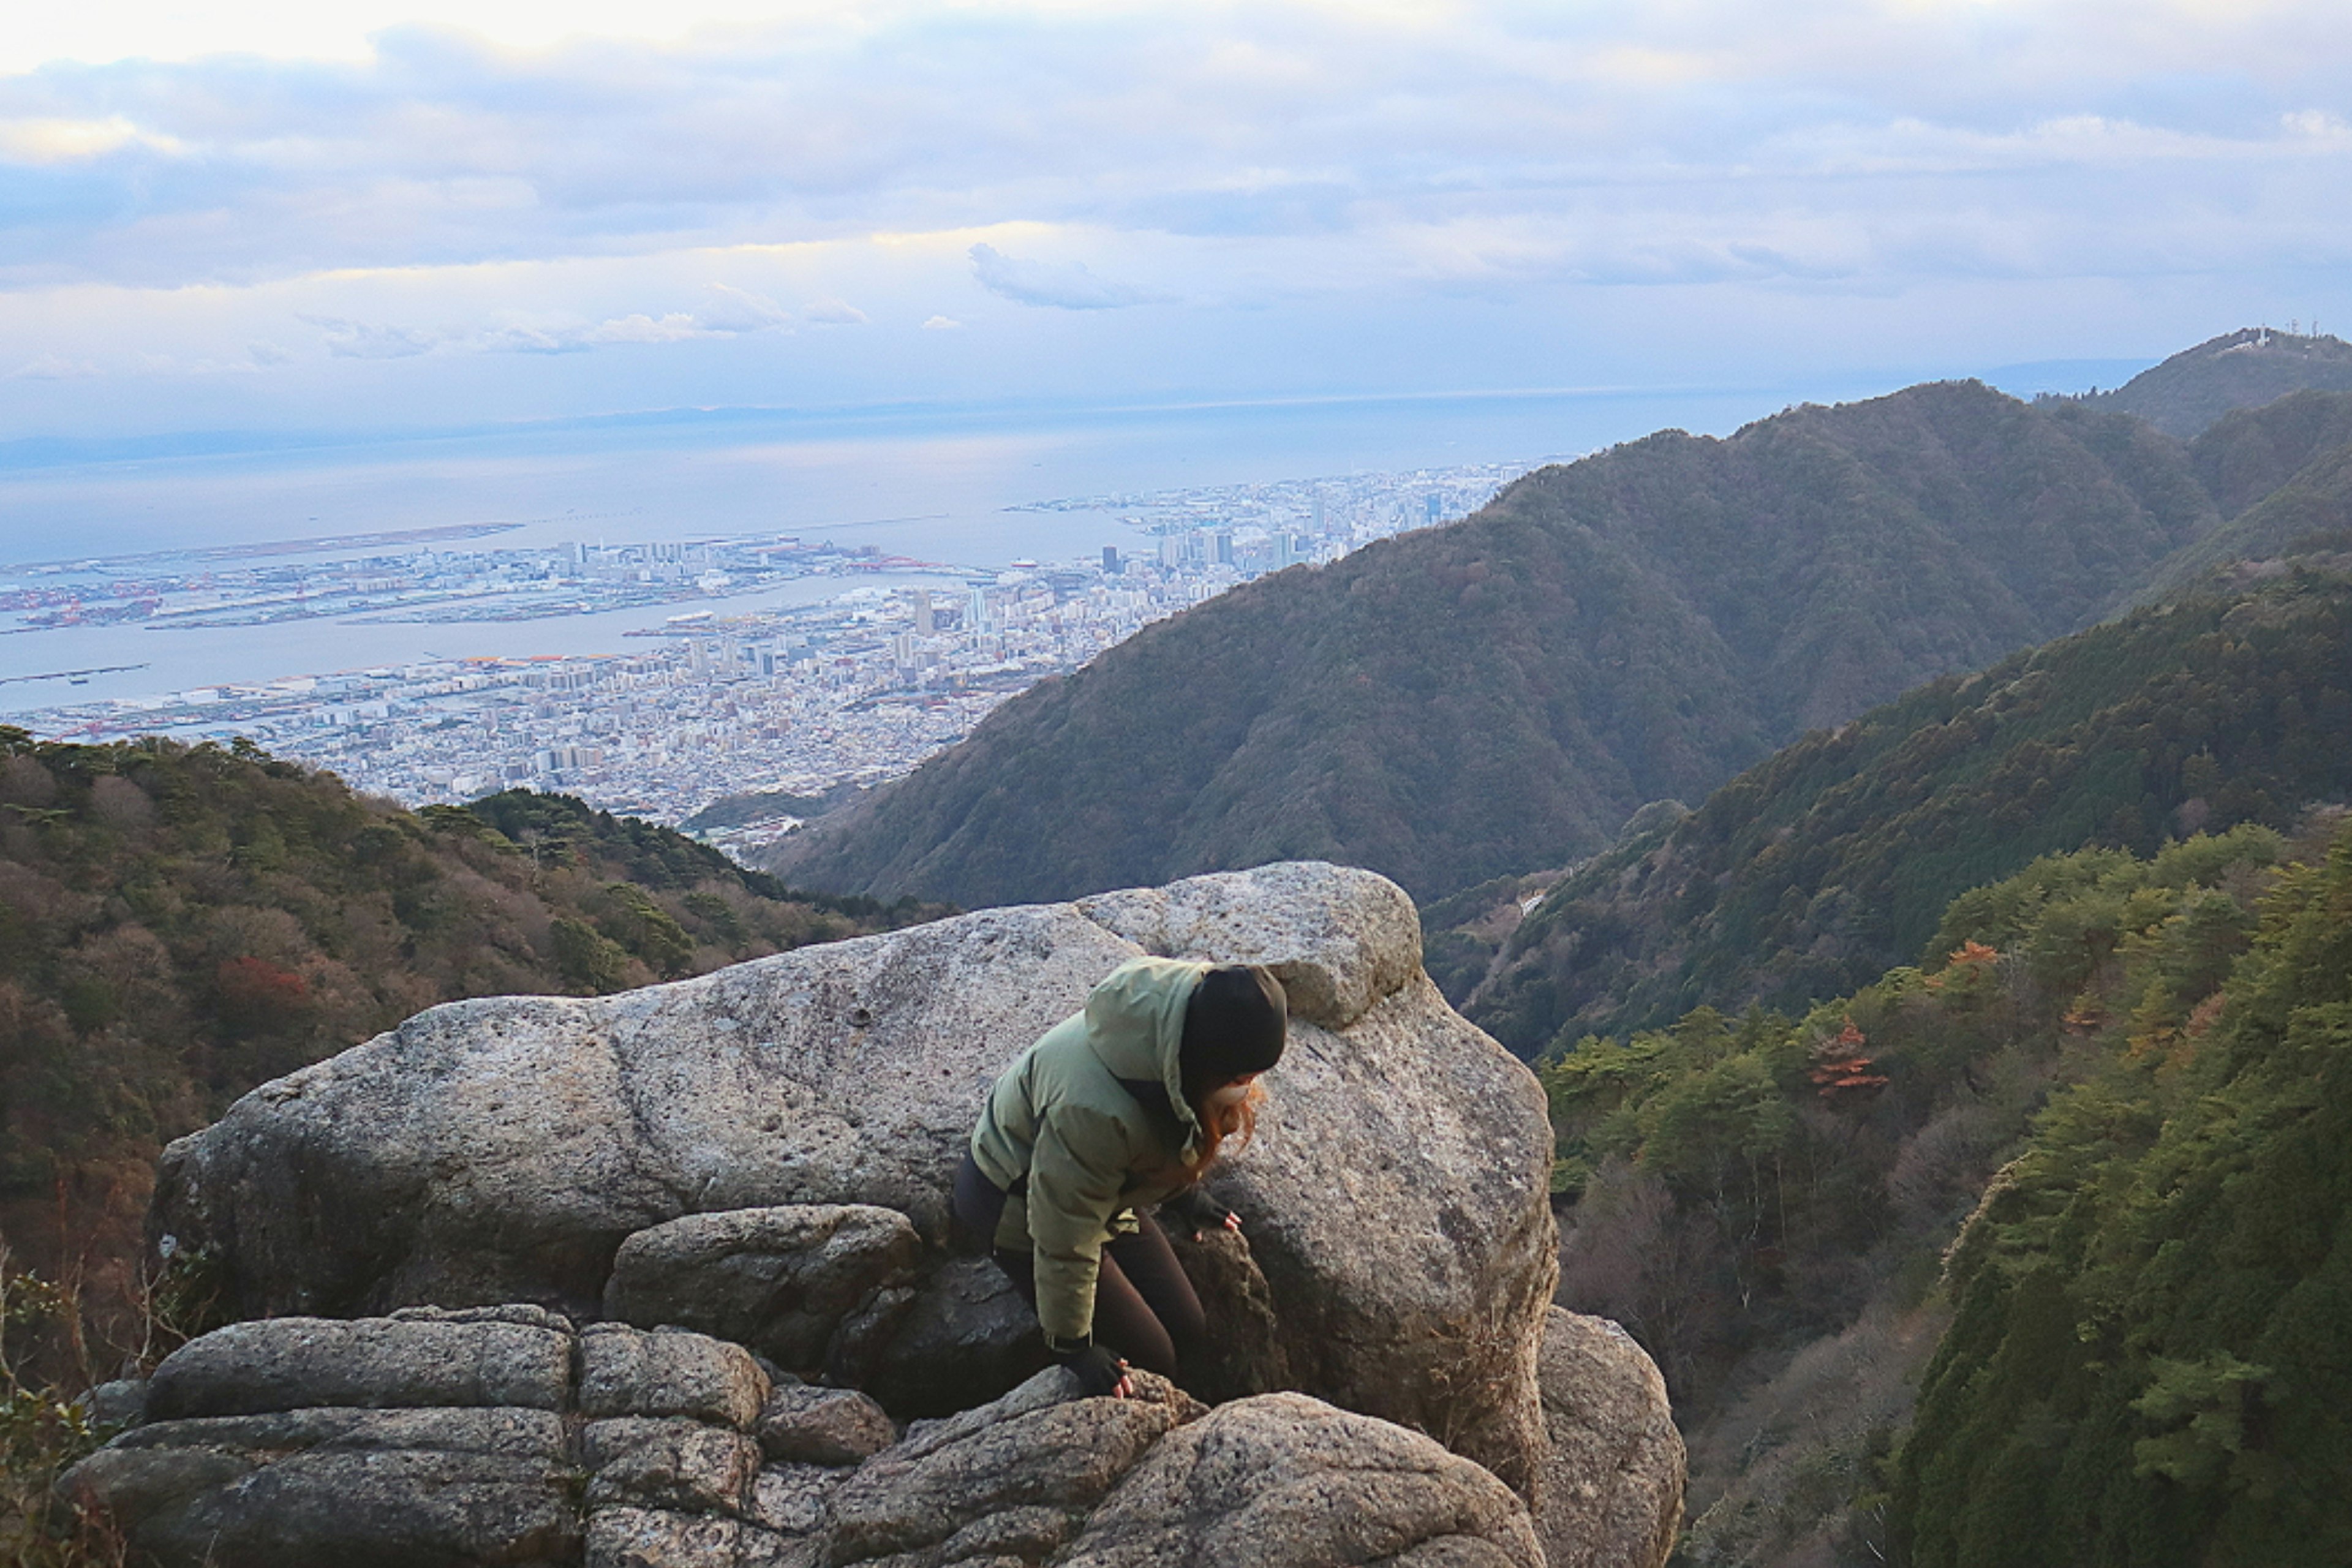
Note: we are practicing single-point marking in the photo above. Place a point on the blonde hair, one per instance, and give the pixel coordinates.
(1236, 1120)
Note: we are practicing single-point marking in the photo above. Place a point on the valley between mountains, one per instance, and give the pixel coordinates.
(1908, 841)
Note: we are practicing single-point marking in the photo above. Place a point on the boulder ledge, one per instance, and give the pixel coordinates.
(654, 1464)
(763, 1154)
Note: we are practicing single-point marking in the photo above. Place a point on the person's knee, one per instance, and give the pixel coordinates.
(1154, 1349)
(1186, 1322)
(1130, 1326)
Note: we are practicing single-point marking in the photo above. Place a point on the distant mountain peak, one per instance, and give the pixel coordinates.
(2244, 369)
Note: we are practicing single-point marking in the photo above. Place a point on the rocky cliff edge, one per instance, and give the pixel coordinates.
(759, 1161)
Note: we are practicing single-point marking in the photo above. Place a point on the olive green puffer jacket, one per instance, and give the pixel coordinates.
(1091, 1150)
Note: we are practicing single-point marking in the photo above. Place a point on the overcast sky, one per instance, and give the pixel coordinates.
(388, 213)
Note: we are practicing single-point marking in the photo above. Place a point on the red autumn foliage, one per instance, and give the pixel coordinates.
(257, 994)
(1841, 1071)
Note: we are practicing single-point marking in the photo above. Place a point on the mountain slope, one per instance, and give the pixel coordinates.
(2147, 1358)
(1468, 702)
(1766, 1202)
(2244, 369)
(2281, 476)
(178, 925)
(1829, 862)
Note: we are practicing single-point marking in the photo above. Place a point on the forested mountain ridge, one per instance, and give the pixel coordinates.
(2281, 476)
(2245, 369)
(1501, 693)
(180, 924)
(1767, 1202)
(1829, 862)
(2146, 1361)
(1612, 951)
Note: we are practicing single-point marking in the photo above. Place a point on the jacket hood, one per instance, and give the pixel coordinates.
(1135, 1023)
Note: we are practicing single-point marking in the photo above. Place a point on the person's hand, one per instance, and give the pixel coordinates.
(1098, 1372)
(1233, 1222)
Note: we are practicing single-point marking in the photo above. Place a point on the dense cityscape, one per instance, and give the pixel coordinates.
(723, 699)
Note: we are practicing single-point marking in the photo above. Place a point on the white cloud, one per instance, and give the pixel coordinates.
(730, 312)
(37, 142)
(434, 182)
(1062, 285)
(943, 324)
(734, 310)
(55, 367)
(2317, 125)
(432, 146)
(363, 340)
(640, 328)
(532, 341)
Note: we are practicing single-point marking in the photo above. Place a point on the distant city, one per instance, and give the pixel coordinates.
(799, 699)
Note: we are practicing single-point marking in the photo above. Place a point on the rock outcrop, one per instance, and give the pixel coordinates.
(660, 1452)
(765, 1154)
(498, 1435)
(813, 1287)
(1611, 1490)
(1285, 1481)
(652, 1281)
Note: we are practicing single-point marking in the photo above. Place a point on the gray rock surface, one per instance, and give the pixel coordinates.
(966, 1337)
(1397, 1198)
(510, 1150)
(647, 1462)
(1037, 1453)
(813, 1287)
(654, 1538)
(670, 1373)
(118, 1403)
(285, 1363)
(1336, 956)
(1612, 1491)
(795, 1499)
(805, 1424)
(446, 1440)
(654, 1469)
(357, 1489)
(1284, 1481)
(1245, 1353)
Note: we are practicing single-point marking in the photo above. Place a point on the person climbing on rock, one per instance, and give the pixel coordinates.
(1115, 1111)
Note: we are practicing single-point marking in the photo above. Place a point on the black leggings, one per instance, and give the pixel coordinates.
(1145, 1308)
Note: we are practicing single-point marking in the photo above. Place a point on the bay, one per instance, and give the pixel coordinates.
(950, 485)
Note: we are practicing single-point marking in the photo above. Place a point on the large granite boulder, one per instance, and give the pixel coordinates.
(813, 1287)
(498, 1437)
(1611, 1495)
(1015, 1477)
(654, 1458)
(1399, 1252)
(1284, 1481)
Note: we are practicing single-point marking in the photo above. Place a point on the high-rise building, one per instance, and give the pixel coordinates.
(1434, 506)
(1172, 550)
(1221, 547)
(1110, 559)
(977, 620)
(922, 607)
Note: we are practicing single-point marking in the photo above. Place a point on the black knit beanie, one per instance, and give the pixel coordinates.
(1235, 1023)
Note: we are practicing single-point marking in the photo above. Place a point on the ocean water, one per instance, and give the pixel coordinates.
(933, 484)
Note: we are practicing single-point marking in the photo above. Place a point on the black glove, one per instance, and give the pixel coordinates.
(1097, 1371)
(1195, 1209)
